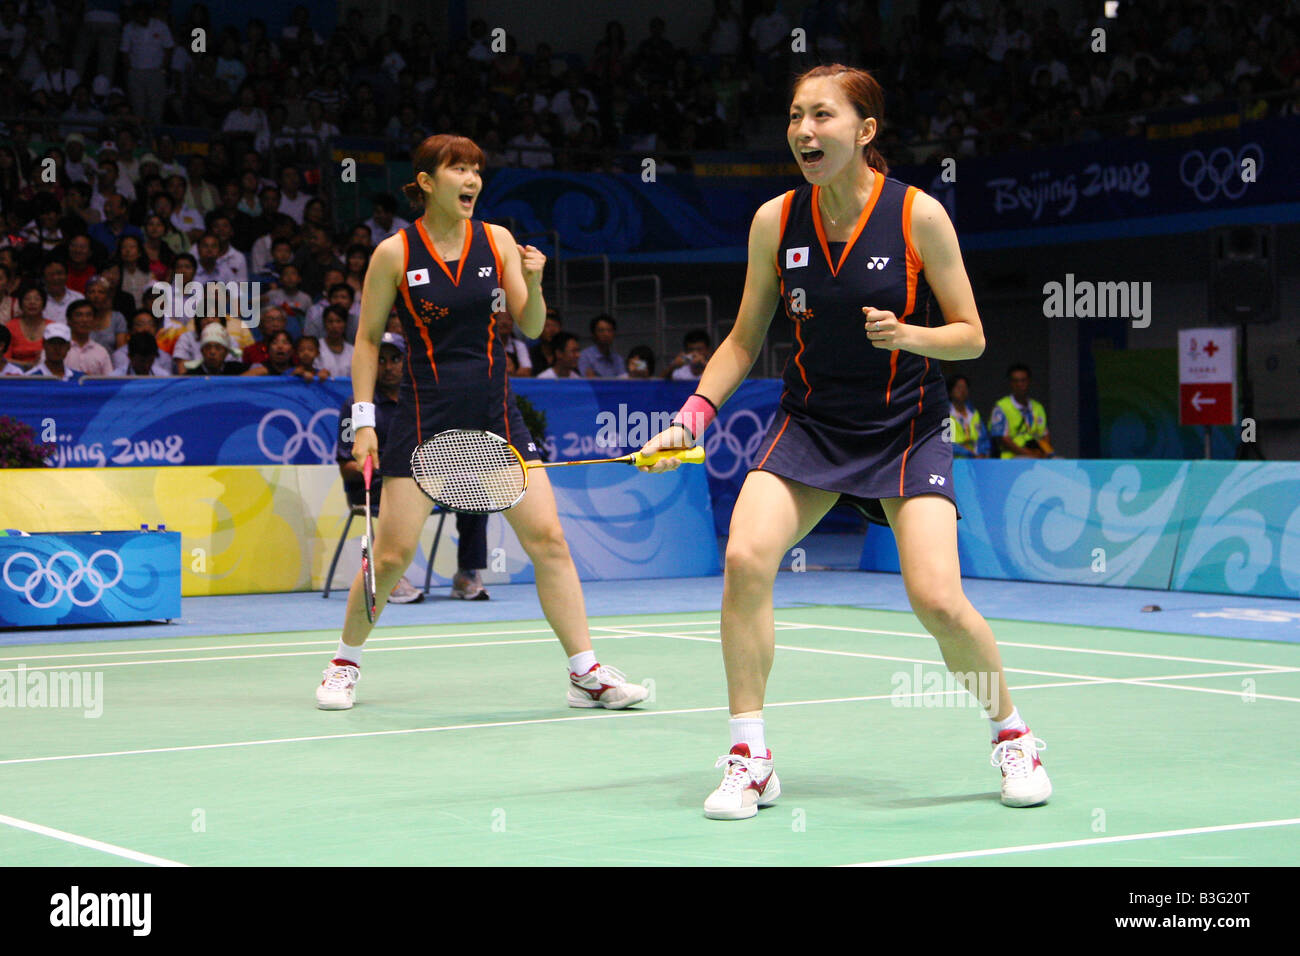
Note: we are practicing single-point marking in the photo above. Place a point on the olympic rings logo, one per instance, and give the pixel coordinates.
(721, 436)
(1219, 172)
(293, 444)
(52, 579)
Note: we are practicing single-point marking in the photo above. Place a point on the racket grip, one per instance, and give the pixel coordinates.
(367, 470)
(692, 456)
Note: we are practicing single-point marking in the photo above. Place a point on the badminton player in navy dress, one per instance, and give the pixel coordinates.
(870, 273)
(448, 275)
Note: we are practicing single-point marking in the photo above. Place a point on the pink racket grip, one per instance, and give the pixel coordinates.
(367, 470)
(696, 415)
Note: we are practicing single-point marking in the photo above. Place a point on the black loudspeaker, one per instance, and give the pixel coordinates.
(1243, 281)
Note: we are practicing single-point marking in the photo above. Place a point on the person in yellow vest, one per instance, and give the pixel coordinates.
(1019, 423)
(970, 439)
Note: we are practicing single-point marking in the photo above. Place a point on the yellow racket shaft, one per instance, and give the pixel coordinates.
(692, 456)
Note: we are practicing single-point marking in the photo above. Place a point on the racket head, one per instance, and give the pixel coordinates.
(469, 470)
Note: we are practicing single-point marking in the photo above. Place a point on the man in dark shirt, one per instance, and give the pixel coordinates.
(471, 529)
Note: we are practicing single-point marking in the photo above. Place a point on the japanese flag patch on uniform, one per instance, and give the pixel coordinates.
(417, 277)
(796, 258)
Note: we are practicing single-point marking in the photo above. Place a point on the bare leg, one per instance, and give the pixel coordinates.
(402, 513)
(537, 525)
(925, 528)
(771, 515)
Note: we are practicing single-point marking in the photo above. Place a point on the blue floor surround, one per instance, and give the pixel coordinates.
(830, 578)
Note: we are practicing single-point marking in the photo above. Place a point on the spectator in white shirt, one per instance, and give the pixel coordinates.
(81, 116)
(187, 219)
(229, 258)
(142, 358)
(335, 353)
(144, 324)
(567, 353)
(247, 117)
(145, 43)
(210, 267)
(384, 221)
(85, 355)
(689, 364)
(513, 344)
(53, 363)
(56, 80)
(79, 167)
(292, 202)
(529, 148)
(57, 294)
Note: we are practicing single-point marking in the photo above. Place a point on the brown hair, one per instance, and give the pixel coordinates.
(444, 149)
(862, 90)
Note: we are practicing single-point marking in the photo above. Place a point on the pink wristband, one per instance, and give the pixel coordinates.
(696, 415)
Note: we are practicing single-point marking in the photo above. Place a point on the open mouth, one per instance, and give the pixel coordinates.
(467, 200)
(810, 157)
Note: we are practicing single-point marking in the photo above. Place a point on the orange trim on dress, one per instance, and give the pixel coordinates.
(914, 263)
(861, 224)
(780, 236)
(798, 334)
(774, 441)
(492, 324)
(464, 252)
(405, 290)
(902, 468)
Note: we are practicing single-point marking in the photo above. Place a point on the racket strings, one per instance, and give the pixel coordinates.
(469, 471)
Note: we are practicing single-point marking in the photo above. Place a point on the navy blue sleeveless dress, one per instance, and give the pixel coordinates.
(863, 421)
(456, 364)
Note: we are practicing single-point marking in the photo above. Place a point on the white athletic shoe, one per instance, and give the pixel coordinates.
(338, 691)
(605, 686)
(404, 592)
(747, 784)
(1024, 781)
(466, 586)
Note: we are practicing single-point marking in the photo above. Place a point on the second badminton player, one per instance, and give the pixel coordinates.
(443, 272)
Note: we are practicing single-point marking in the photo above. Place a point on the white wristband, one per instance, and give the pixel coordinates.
(363, 415)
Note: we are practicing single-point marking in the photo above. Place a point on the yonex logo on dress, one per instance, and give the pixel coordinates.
(877, 262)
(936, 479)
(485, 271)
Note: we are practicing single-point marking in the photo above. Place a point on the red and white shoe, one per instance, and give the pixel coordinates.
(747, 784)
(1024, 781)
(604, 686)
(338, 691)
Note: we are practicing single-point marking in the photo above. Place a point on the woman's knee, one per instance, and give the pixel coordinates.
(748, 560)
(938, 607)
(545, 543)
(392, 561)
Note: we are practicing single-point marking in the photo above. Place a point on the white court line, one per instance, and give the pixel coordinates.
(1043, 647)
(499, 723)
(1136, 681)
(1094, 841)
(329, 642)
(251, 657)
(67, 837)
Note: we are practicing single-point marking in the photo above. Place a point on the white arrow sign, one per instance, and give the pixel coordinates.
(1198, 401)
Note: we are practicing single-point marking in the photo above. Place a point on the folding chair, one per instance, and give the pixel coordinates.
(359, 511)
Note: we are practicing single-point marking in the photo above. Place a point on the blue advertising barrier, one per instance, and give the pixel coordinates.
(1221, 527)
(107, 578)
(260, 421)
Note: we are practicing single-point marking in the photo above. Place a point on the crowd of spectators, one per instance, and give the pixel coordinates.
(98, 201)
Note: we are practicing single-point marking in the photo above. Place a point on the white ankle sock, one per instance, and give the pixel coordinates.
(1013, 722)
(582, 662)
(349, 653)
(749, 730)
